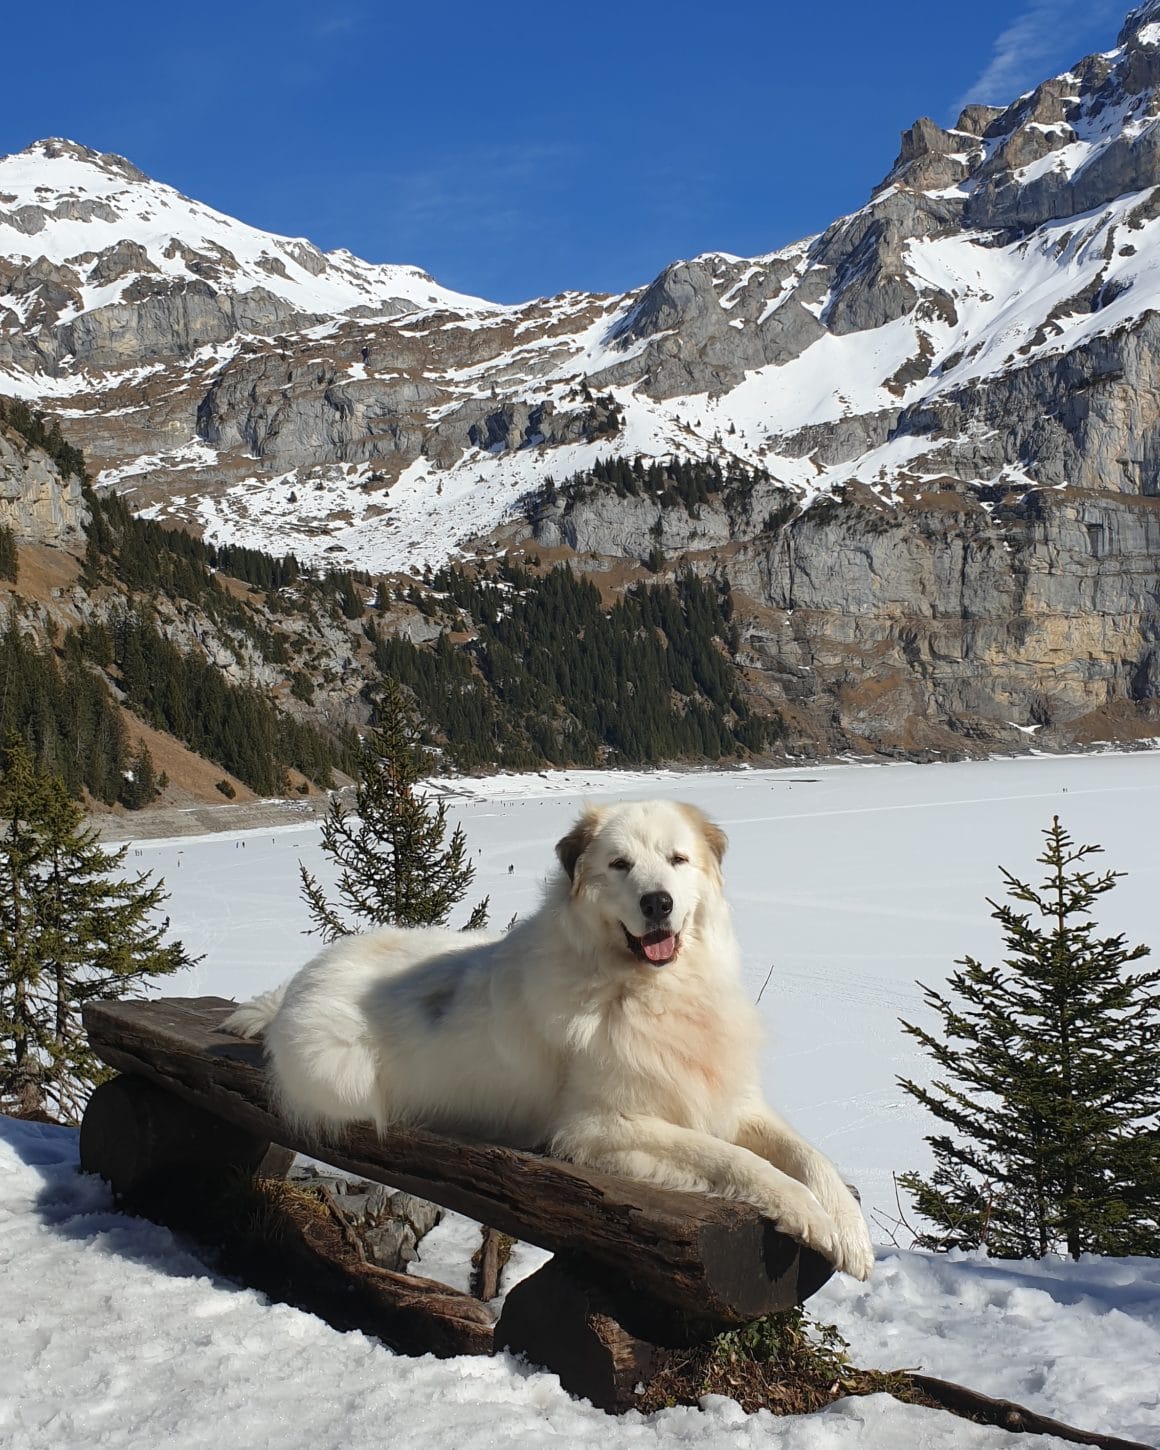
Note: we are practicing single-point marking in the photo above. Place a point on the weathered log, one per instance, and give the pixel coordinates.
(158, 1153)
(574, 1328)
(714, 1260)
(172, 1161)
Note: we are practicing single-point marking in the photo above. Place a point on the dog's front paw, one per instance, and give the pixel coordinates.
(843, 1238)
(854, 1252)
(799, 1215)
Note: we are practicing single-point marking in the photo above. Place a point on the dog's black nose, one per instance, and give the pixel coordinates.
(655, 904)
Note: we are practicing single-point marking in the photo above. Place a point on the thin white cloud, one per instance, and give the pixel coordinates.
(1031, 47)
(337, 25)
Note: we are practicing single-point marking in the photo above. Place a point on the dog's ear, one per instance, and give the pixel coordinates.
(715, 838)
(576, 842)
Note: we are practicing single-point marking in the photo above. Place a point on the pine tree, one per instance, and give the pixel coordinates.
(71, 931)
(8, 556)
(139, 786)
(393, 866)
(1051, 1081)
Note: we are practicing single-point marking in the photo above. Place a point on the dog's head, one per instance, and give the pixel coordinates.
(644, 869)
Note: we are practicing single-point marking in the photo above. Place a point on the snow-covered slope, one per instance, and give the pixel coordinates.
(100, 219)
(116, 1335)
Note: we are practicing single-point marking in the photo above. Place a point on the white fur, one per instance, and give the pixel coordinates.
(556, 1035)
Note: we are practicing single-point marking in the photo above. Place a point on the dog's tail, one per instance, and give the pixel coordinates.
(252, 1018)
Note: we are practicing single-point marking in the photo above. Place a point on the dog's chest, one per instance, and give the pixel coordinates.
(677, 1057)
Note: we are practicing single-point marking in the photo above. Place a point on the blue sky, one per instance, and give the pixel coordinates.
(516, 149)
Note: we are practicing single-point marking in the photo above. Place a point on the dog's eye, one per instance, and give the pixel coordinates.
(620, 864)
(676, 859)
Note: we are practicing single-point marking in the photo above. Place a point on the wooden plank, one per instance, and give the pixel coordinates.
(718, 1262)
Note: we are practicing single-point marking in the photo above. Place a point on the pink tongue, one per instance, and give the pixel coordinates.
(659, 946)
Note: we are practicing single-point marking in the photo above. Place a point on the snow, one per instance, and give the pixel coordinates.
(1078, 1337)
(428, 512)
(1004, 307)
(155, 217)
(851, 882)
(194, 454)
(1001, 306)
(116, 1335)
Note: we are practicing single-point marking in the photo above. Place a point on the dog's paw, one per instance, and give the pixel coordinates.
(842, 1238)
(799, 1215)
(854, 1252)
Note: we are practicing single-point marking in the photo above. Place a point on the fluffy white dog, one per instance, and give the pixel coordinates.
(610, 1028)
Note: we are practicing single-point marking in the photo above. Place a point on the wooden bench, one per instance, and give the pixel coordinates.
(635, 1266)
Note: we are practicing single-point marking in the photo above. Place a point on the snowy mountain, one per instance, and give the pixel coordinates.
(901, 345)
(95, 233)
(936, 421)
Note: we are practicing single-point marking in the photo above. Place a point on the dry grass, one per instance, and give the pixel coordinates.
(785, 1363)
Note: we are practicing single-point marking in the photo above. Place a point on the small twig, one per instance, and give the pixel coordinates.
(765, 984)
(889, 1227)
(344, 1224)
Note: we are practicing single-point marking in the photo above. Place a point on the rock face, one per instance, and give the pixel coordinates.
(36, 503)
(946, 407)
(944, 622)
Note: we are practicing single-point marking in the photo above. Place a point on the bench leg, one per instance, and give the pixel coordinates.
(573, 1330)
(161, 1156)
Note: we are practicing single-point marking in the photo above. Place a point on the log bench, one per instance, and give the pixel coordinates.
(635, 1267)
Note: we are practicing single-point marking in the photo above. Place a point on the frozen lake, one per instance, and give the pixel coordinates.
(850, 882)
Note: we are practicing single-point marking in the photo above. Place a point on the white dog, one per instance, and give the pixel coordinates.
(609, 1028)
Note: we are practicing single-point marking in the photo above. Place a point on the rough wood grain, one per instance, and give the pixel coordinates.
(714, 1260)
(150, 1146)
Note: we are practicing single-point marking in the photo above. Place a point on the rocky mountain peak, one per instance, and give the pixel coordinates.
(52, 148)
(1138, 22)
(101, 266)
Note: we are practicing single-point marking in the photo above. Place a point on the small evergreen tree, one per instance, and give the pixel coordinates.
(140, 786)
(8, 558)
(1051, 1081)
(393, 866)
(71, 931)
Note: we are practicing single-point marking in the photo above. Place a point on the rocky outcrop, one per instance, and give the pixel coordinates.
(1037, 612)
(940, 623)
(36, 502)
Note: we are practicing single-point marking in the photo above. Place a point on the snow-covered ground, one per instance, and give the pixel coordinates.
(850, 882)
